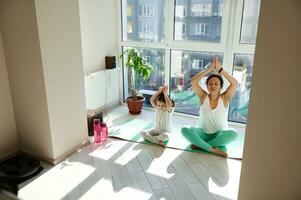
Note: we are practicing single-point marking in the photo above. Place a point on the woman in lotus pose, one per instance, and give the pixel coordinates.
(214, 106)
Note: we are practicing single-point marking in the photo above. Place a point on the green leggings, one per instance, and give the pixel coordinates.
(198, 137)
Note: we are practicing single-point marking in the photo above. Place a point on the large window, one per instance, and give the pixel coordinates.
(147, 19)
(250, 20)
(186, 64)
(242, 71)
(180, 37)
(156, 57)
(203, 18)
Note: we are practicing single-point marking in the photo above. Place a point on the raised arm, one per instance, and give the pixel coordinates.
(195, 82)
(167, 100)
(154, 97)
(227, 95)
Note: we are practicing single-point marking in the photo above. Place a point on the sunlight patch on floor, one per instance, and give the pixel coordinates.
(128, 155)
(60, 180)
(230, 189)
(110, 150)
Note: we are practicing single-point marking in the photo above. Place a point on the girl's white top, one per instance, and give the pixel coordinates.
(213, 120)
(163, 120)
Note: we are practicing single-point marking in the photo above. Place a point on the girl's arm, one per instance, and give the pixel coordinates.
(154, 97)
(167, 100)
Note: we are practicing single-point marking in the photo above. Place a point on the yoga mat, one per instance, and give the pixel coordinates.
(129, 129)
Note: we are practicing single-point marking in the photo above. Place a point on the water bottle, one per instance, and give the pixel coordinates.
(97, 131)
(104, 132)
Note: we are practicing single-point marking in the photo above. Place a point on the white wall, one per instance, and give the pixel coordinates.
(99, 32)
(101, 89)
(8, 131)
(60, 41)
(271, 168)
(42, 46)
(24, 66)
(99, 39)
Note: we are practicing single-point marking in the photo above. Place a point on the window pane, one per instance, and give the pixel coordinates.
(184, 65)
(202, 19)
(156, 57)
(242, 71)
(143, 20)
(250, 21)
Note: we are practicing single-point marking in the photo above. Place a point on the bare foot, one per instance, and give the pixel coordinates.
(219, 152)
(162, 144)
(194, 146)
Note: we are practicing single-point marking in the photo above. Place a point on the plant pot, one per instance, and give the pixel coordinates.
(135, 105)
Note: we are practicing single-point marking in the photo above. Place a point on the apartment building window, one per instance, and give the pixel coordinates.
(183, 29)
(203, 20)
(181, 11)
(146, 10)
(180, 30)
(197, 64)
(130, 28)
(220, 9)
(129, 10)
(146, 28)
(198, 29)
(199, 9)
(181, 38)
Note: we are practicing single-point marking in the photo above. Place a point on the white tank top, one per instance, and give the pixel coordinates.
(213, 120)
(163, 120)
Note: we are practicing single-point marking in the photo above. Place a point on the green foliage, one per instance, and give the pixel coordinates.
(138, 69)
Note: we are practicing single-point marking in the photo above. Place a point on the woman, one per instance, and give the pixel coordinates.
(214, 110)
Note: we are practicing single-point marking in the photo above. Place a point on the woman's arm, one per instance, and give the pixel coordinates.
(154, 97)
(233, 82)
(195, 81)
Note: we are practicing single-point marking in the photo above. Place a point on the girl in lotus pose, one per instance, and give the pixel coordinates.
(214, 105)
(163, 106)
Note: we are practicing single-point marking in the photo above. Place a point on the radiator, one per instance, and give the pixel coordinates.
(101, 89)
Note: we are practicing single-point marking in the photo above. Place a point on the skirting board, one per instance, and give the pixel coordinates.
(62, 157)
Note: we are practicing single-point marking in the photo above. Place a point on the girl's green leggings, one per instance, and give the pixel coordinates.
(198, 137)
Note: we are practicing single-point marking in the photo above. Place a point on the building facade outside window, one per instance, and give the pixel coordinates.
(181, 11)
(250, 19)
(146, 10)
(199, 9)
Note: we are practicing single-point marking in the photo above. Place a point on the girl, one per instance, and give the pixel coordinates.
(214, 110)
(163, 106)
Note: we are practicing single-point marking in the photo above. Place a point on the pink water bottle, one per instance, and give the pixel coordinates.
(97, 131)
(104, 132)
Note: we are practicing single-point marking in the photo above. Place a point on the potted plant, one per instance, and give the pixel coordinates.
(138, 69)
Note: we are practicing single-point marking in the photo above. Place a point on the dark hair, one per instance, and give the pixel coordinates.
(217, 76)
(162, 99)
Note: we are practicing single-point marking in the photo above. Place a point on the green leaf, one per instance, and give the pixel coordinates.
(142, 69)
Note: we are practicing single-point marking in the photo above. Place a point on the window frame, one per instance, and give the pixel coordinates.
(232, 16)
